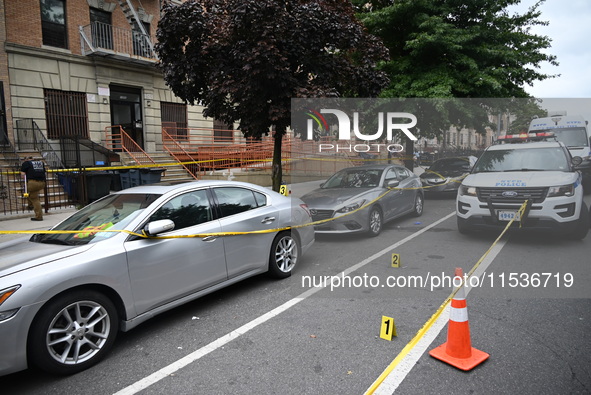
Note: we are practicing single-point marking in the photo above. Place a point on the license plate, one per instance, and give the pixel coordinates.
(509, 215)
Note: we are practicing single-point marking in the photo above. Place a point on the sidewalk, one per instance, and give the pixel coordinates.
(18, 222)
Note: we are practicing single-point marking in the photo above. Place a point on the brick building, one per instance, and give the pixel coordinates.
(77, 67)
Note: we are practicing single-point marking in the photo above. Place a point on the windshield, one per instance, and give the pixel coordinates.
(528, 159)
(113, 212)
(571, 137)
(451, 164)
(354, 178)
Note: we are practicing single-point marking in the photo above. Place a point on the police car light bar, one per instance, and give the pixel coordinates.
(525, 137)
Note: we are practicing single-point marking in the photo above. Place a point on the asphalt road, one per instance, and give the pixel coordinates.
(327, 341)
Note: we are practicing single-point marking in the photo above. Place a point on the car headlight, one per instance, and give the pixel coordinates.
(466, 190)
(5, 294)
(563, 190)
(350, 207)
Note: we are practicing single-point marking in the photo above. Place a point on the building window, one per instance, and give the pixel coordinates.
(53, 23)
(101, 28)
(222, 132)
(66, 114)
(174, 118)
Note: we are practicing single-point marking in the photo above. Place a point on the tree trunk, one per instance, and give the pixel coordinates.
(277, 172)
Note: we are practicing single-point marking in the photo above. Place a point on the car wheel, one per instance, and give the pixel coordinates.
(582, 227)
(73, 332)
(376, 222)
(419, 204)
(284, 255)
(463, 227)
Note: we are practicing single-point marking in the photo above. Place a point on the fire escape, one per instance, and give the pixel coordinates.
(134, 44)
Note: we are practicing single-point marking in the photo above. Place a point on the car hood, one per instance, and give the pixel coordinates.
(332, 197)
(22, 254)
(521, 179)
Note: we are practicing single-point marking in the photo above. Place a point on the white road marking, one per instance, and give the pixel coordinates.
(195, 355)
(395, 378)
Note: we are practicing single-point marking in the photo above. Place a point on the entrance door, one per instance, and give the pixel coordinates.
(126, 111)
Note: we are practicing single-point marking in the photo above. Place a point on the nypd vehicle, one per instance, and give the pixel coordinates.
(574, 132)
(541, 173)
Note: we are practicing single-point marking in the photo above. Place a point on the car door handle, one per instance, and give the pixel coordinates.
(209, 238)
(268, 220)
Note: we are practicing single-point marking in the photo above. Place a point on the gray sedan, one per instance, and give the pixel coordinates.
(64, 296)
(348, 201)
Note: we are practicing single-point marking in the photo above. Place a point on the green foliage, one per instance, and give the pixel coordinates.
(523, 112)
(458, 49)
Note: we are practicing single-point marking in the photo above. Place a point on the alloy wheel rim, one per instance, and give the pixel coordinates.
(78, 332)
(419, 205)
(286, 254)
(375, 223)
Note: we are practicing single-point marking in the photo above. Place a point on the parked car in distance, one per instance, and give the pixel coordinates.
(339, 198)
(63, 297)
(445, 175)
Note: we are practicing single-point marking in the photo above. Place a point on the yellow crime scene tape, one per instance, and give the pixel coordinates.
(409, 346)
(421, 332)
(284, 192)
(218, 234)
(93, 230)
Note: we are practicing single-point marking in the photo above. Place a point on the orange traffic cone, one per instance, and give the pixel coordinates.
(458, 350)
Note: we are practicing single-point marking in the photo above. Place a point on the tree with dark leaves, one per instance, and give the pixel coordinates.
(244, 60)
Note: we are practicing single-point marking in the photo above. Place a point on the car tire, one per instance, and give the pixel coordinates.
(375, 222)
(419, 205)
(61, 325)
(463, 226)
(586, 185)
(581, 229)
(283, 258)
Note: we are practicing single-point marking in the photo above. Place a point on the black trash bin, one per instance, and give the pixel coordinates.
(129, 178)
(98, 184)
(151, 176)
(70, 181)
(115, 180)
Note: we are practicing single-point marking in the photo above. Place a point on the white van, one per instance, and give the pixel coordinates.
(574, 132)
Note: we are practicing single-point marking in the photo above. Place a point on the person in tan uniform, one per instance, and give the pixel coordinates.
(33, 171)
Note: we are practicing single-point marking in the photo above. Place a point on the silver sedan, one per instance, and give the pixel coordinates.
(64, 296)
(363, 198)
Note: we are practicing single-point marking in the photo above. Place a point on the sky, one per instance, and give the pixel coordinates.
(569, 29)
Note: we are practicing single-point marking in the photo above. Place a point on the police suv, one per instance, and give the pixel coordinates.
(524, 168)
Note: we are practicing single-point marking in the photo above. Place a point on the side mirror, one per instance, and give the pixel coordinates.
(157, 227)
(321, 185)
(392, 183)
